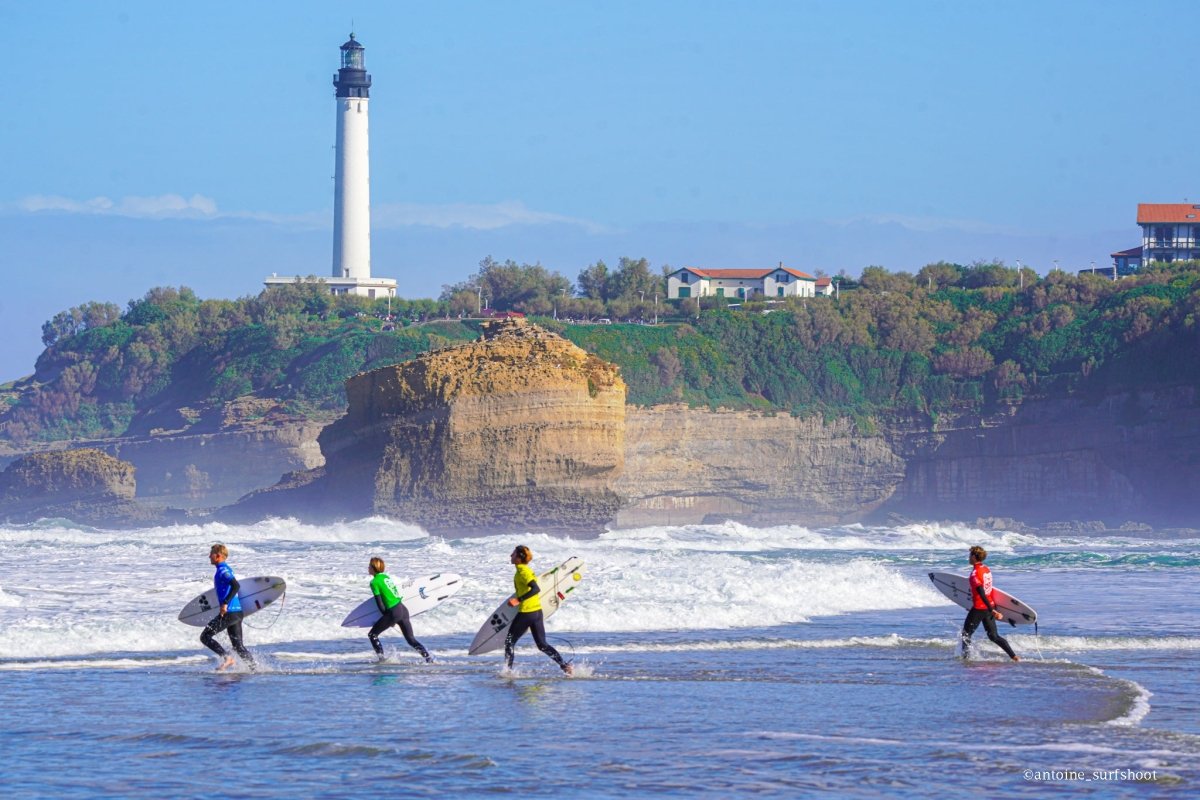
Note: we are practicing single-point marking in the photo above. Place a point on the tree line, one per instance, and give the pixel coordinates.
(948, 336)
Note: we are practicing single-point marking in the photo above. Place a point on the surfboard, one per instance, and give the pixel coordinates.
(418, 597)
(958, 589)
(255, 594)
(556, 585)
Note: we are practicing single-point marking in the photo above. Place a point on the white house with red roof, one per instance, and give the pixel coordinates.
(1170, 231)
(779, 281)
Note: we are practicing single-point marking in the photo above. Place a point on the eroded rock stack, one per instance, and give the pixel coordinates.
(519, 431)
(81, 485)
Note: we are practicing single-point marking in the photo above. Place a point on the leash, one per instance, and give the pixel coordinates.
(278, 614)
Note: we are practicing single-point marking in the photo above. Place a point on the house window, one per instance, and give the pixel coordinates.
(685, 291)
(683, 278)
(741, 292)
(720, 292)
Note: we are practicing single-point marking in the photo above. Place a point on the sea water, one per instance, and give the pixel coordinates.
(715, 660)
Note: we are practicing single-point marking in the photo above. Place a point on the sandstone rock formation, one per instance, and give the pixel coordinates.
(685, 465)
(521, 430)
(81, 485)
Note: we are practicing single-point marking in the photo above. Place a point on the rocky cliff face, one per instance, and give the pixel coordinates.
(521, 430)
(1122, 457)
(689, 465)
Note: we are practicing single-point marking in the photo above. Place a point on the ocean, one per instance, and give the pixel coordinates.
(711, 660)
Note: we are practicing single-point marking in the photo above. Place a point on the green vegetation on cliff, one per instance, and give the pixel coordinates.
(949, 337)
(171, 359)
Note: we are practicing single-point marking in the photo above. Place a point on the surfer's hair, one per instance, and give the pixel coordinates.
(978, 553)
(523, 553)
(376, 566)
(219, 549)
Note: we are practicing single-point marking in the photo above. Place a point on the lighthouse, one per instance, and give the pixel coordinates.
(352, 173)
(351, 184)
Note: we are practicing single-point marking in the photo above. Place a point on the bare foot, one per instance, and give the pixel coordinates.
(226, 664)
(568, 669)
(1016, 658)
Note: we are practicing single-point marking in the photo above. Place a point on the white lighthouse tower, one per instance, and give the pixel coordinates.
(352, 175)
(352, 184)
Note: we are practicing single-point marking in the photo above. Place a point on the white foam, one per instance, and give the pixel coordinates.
(85, 592)
(1086, 644)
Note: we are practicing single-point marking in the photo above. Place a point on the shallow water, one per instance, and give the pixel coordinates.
(710, 660)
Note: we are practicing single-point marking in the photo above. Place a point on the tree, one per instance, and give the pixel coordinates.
(632, 281)
(593, 281)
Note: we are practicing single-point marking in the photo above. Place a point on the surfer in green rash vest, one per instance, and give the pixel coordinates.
(984, 607)
(391, 606)
(529, 617)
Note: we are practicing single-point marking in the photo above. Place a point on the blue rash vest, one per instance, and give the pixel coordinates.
(222, 579)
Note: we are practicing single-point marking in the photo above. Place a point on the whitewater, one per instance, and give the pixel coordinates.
(710, 660)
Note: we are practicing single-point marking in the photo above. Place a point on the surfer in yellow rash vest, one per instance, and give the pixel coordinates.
(529, 617)
(984, 607)
(391, 606)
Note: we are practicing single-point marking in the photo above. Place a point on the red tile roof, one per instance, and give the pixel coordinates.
(1133, 252)
(823, 282)
(1149, 213)
(745, 274)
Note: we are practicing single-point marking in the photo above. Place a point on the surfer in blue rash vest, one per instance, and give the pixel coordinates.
(230, 616)
(391, 606)
(529, 617)
(983, 606)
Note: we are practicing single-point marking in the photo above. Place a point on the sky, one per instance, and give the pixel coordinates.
(150, 144)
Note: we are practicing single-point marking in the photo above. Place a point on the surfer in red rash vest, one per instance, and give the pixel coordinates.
(984, 607)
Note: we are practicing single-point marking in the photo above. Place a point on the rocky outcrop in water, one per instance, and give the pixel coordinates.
(521, 430)
(81, 485)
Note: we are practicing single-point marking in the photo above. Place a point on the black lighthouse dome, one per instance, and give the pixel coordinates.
(352, 79)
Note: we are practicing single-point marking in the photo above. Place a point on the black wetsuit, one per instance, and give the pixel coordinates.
(396, 615)
(532, 621)
(229, 621)
(984, 615)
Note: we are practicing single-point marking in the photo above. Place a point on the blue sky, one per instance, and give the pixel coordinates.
(173, 144)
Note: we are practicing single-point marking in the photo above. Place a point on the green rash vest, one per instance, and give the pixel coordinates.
(382, 586)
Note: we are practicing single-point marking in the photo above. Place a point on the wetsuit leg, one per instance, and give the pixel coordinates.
(538, 626)
(989, 625)
(386, 621)
(400, 614)
(974, 617)
(234, 624)
(520, 624)
(215, 625)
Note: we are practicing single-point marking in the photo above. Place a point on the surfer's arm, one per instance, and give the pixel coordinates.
(379, 603)
(987, 602)
(233, 589)
(533, 591)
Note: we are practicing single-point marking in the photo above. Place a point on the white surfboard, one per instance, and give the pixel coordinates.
(958, 589)
(255, 594)
(418, 597)
(556, 586)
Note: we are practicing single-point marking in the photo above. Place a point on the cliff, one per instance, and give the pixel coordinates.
(690, 465)
(1112, 458)
(521, 430)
